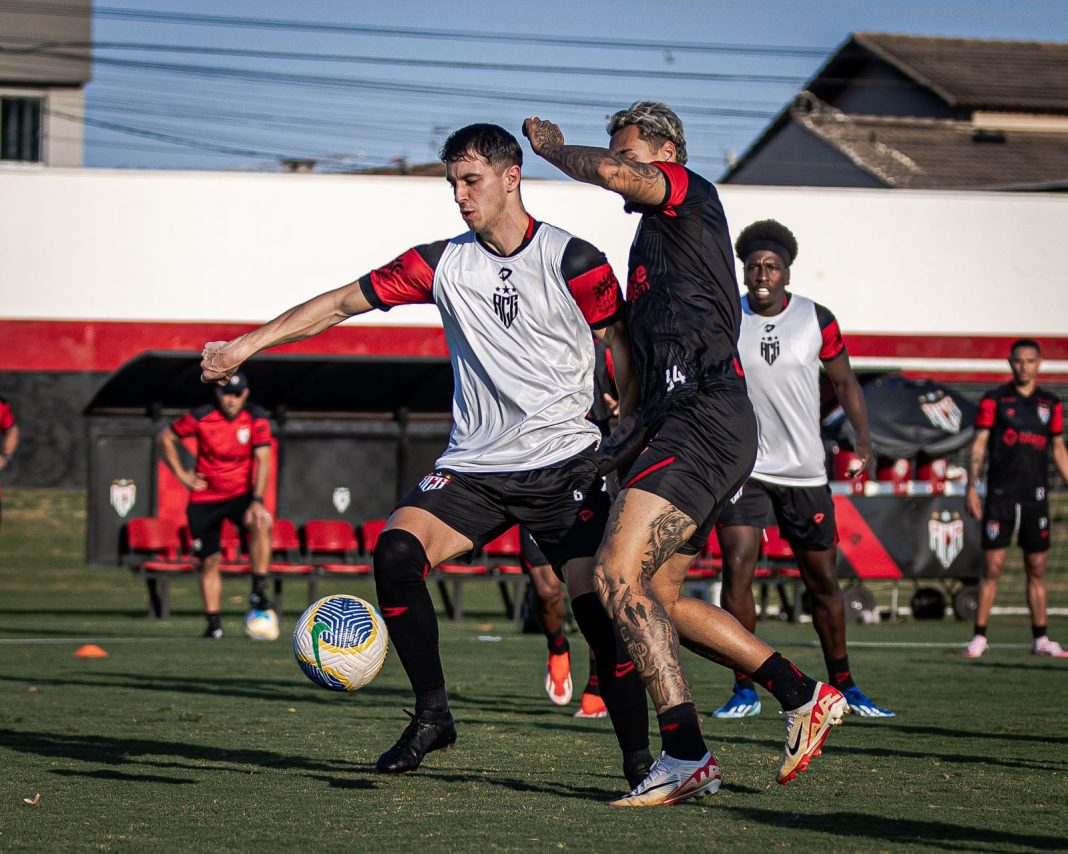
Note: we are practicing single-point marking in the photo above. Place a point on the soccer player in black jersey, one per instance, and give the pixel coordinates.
(683, 316)
(1018, 423)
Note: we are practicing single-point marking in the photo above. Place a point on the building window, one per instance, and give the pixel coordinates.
(20, 129)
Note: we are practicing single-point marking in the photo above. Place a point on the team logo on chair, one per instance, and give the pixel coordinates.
(506, 298)
(435, 481)
(342, 498)
(123, 495)
(769, 349)
(945, 536)
(992, 530)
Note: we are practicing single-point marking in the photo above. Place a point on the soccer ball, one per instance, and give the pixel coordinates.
(340, 642)
(261, 625)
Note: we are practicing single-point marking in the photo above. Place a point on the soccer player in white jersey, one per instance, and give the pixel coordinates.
(518, 299)
(784, 338)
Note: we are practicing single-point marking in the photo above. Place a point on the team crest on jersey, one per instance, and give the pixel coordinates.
(506, 298)
(992, 530)
(123, 495)
(435, 481)
(243, 435)
(945, 536)
(941, 410)
(1043, 413)
(769, 348)
(342, 498)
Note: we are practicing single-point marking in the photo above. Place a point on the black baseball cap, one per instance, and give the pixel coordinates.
(235, 385)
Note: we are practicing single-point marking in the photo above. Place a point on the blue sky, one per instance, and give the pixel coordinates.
(727, 66)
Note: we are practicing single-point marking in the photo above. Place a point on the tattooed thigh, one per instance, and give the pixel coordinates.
(669, 530)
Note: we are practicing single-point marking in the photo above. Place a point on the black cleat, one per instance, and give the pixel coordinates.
(637, 770)
(259, 602)
(427, 731)
(212, 634)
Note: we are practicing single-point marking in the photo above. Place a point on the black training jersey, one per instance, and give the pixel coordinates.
(1020, 432)
(682, 294)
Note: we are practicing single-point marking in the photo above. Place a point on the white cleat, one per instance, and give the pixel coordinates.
(977, 647)
(672, 781)
(807, 727)
(1044, 646)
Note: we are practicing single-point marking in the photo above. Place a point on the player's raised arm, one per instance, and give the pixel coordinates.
(221, 358)
(637, 180)
(407, 279)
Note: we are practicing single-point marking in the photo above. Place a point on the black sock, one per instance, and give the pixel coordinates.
(214, 621)
(620, 685)
(743, 681)
(400, 567)
(838, 673)
(593, 684)
(1038, 631)
(680, 731)
(259, 600)
(981, 630)
(557, 641)
(791, 687)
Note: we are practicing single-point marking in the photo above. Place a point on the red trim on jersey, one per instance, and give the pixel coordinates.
(405, 280)
(7, 417)
(1056, 421)
(986, 413)
(738, 367)
(678, 181)
(530, 228)
(833, 345)
(597, 294)
(609, 365)
(648, 471)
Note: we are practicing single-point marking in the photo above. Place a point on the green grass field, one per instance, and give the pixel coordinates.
(175, 743)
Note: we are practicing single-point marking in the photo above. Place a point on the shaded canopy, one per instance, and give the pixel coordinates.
(908, 416)
(293, 384)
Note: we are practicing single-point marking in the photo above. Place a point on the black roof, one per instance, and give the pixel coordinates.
(284, 384)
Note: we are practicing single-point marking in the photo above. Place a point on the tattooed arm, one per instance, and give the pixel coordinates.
(641, 183)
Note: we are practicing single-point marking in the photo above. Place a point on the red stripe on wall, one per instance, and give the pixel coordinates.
(948, 346)
(71, 345)
(859, 544)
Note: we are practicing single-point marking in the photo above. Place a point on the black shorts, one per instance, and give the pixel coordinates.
(1029, 520)
(530, 554)
(700, 454)
(564, 506)
(804, 514)
(206, 519)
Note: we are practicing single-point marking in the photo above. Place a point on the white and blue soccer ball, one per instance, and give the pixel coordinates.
(340, 642)
(261, 625)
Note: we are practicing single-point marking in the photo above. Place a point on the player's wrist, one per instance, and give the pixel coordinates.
(258, 498)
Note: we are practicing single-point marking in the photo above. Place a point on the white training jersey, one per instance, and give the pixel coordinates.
(781, 357)
(518, 330)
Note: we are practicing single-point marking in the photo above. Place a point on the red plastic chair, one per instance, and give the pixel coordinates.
(337, 539)
(285, 563)
(234, 561)
(153, 548)
(370, 531)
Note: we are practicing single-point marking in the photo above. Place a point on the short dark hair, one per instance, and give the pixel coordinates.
(1023, 342)
(490, 142)
(657, 123)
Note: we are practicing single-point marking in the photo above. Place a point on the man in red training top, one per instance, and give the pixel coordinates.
(231, 474)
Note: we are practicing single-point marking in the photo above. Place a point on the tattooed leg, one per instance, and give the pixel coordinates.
(703, 628)
(643, 532)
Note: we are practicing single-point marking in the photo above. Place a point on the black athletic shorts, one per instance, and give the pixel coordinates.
(699, 455)
(804, 514)
(1029, 520)
(529, 553)
(564, 506)
(206, 519)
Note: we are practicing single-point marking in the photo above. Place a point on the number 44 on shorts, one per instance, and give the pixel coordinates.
(673, 377)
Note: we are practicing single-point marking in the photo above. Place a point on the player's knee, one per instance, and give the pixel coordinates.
(399, 559)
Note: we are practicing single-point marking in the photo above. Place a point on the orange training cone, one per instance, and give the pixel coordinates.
(90, 650)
